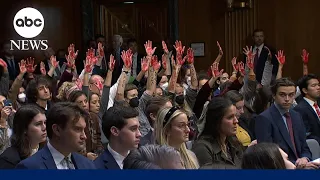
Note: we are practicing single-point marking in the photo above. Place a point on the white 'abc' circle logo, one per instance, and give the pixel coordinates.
(28, 22)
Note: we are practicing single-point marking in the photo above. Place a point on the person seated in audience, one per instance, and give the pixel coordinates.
(282, 125)
(38, 92)
(5, 125)
(159, 91)
(66, 124)
(153, 157)
(224, 78)
(216, 147)
(172, 129)
(93, 141)
(29, 130)
(65, 90)
(266, 156)
(308, 106)
(121, 127)
(153, 107)
(243, 132)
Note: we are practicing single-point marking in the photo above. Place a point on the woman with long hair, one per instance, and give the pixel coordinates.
(216, 147)
(266, 156)
(172, 129)
(29, 131)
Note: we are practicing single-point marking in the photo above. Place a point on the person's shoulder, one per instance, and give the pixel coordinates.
(84, 160)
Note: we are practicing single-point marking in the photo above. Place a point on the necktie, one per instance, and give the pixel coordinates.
(256, 58)
(68, 163)
(290, 129)
(315, 105)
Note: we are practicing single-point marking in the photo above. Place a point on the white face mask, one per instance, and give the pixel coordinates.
(189, 80)
(164, 86)
(22, 97)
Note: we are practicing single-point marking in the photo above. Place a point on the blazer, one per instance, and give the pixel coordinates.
(270, 127)
(106, 161)
(9, 158)
(44, 160)
(310, 119)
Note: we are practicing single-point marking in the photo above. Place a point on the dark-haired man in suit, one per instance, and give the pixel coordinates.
(121, 126)
(308, 106)
(65, 129)
(282, 125)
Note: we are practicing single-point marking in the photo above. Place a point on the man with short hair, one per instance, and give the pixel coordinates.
(282, 125)
(65, 128)
(308, 106)
(136, 57)
(121, 127)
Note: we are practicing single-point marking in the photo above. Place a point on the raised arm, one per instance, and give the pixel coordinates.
(305, 59)
(193, 73)
(281, 59)
(127, 58)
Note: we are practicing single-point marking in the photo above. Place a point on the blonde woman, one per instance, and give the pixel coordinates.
(172, 129)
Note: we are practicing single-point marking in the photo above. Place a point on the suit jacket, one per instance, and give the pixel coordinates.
(13, 72)
(9, 158)
(310, 119)
(270, 127)
(106, 161)
(259, 68)
(44, 160)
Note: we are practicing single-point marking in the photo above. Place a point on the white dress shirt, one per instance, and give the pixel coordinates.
(118, 157)
(260, 49)
(59, 158)
(311, 103)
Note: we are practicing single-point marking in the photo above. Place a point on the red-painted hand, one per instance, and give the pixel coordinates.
(165, 48)
(22, 66)
(3, 63)
(155, 63)
(281, 57)
(215, 70)
(111, 63)
(241, 69)
(144, 64)
(305, 56)
(190, 56)
(234, 64)
(148, 47)
(164, 61)
(43, 68)
(29, 65)
(179, 48)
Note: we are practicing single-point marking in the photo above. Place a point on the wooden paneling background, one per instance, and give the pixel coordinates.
(288, 25)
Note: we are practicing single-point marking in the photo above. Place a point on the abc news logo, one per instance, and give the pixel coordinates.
(28, 23)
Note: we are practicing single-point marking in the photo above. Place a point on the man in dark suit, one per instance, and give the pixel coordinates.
(281, 125)
(121, 127)
(136, 58)
(65, 128)
(117, 42)
(262, 55)
(308, 106)
(8, 57)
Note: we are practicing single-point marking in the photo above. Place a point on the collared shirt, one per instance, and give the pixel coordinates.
(311, 103)
(282, 112)
(118, 157)
(59, 158)
(260, 49)
(134, 64)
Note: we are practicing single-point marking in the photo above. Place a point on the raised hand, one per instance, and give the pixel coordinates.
(164, 61)
(190, 56)
(215, 70)
(53, 61)
(29, 65)
(281, 57)
(3, 63)
(155, 63)
(148, 47)
(22, 66)
(127, 58)
(88, 67)
(165, 48)
(111, 63)
(43, 68)
(248, 52)
(100, 50)
(235, 66)
(250, 62)
(179, 48)
(91, 55)
(220, 49)
(305, 56)
(144, 64)
(241, 69)
(72, 54)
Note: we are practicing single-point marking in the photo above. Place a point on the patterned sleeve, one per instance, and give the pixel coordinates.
(4, 139)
